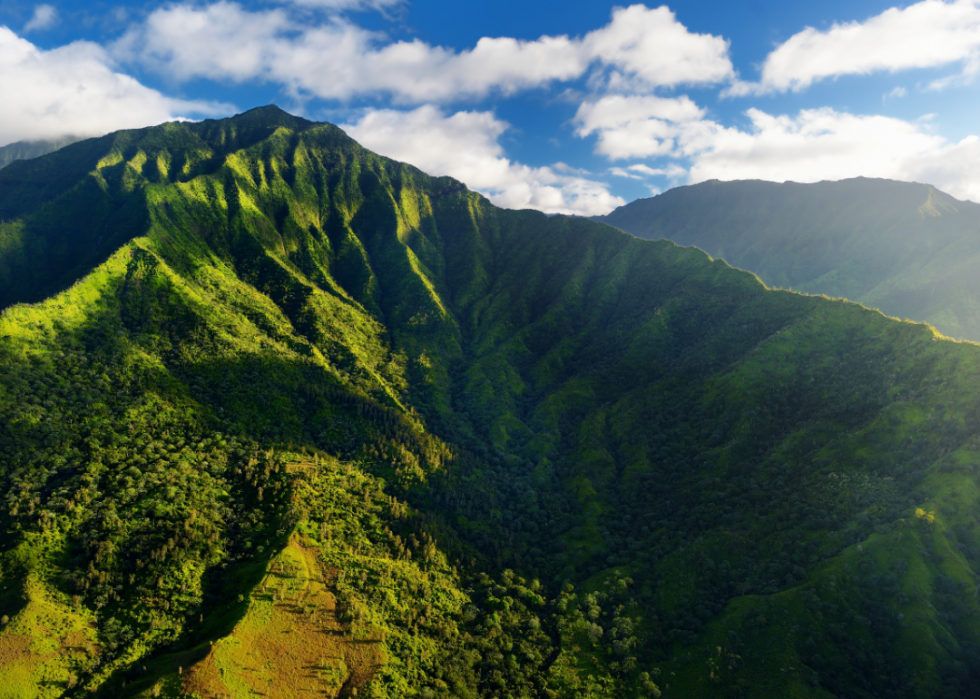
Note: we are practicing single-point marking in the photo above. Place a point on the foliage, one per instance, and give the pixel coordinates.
(323, 422)
(905, 248)
(26, 150)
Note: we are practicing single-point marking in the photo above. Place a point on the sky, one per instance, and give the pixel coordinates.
(566, 107)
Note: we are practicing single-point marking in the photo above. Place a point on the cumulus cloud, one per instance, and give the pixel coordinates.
(650, 48)
(636, 126)
(466, 146)
(817, 144)
(74, 90)
(338, 60)
(814, 145)
(927, 34)
(44, 16)
(823, 144)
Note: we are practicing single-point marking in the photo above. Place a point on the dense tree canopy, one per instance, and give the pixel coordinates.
(292, 416)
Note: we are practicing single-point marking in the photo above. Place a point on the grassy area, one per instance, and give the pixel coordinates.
(290, 642)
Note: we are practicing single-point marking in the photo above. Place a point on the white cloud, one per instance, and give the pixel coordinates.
(650, 48)
(466, 146)
(567, 169)
(814, 145)
(927, 34)
(952, 169)
(898, 92)
(641, 171)
(622, 172)
(636, 126)
(221, 41)
(817, 144)
(823, 144)
(74, 90)
(44, 16)
(646, 170)
(673, 172)
(338, 60)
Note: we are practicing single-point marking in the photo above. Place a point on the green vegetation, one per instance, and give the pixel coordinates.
(26, 150)
(905, 248)
(282, 416)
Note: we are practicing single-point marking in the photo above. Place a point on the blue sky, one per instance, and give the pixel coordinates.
(561, 106)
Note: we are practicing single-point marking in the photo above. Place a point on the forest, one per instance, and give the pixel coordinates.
(905, 248)
(281, 417)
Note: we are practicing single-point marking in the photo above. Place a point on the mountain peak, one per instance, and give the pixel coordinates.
(268, 116)
(303, 400)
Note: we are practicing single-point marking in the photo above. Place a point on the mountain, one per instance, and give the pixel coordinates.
(25, 150)
(282, 417)
(905, 248)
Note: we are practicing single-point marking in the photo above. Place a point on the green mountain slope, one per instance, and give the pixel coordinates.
(26, 150)
(905, 248)
(295, 418)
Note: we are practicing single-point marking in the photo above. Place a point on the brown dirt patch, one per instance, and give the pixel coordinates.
(290, 643)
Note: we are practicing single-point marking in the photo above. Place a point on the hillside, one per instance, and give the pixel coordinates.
(26, 150)
(905, 248)
(280, 416)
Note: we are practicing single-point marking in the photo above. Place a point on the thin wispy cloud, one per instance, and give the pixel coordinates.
(44, 17)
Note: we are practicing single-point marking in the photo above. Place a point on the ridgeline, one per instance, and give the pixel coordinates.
(905, 248)
(280, 416)
(26, 150)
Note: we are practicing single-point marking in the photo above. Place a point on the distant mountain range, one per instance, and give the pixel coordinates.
(908, 249)
(25, 150)
(282, 417)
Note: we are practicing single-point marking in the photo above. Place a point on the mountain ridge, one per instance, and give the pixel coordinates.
(456, 450)
(903, 247)
(27, 150)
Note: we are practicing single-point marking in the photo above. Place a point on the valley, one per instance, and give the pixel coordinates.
(279, 414)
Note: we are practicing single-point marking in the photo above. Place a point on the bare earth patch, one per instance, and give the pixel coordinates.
(290, 643)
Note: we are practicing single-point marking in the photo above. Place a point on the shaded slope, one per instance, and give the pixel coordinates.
(27, 150)
(444, 401)
(905, 248)
(63, 215)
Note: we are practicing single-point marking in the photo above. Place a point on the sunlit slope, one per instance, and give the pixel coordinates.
(319, 421)
(905, 248)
